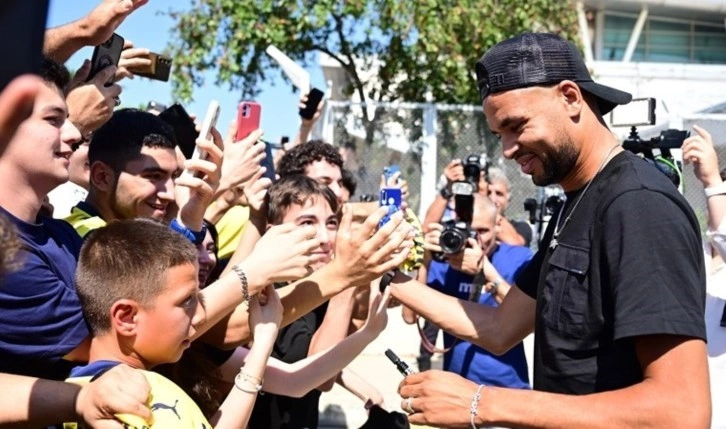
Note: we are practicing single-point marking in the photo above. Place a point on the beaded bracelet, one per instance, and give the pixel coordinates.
(475, 405)
(243, 279)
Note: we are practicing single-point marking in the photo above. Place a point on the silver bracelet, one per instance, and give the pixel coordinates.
(243, 279)
(242, 378)
(475, 405)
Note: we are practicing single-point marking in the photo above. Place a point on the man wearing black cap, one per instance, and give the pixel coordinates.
(616, 298)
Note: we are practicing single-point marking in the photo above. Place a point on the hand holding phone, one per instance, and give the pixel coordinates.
(210, 121)
(389, 172)
(159, 68)
(311, 104)
(106, 54)
(184, 128)
(390, 198)
(249, 114)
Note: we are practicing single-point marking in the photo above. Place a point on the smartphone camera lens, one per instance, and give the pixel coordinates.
(246, 110)
(104, 62)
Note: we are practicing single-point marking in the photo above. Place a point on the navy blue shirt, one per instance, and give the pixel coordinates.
(471, 361)
(40, 313)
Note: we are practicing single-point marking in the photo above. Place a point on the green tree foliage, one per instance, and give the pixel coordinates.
(420, 46)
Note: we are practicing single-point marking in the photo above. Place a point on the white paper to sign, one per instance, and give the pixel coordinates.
(299, 77)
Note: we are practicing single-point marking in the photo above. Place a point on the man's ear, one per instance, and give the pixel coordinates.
(102, 177)
(124, 317)
(572, 97)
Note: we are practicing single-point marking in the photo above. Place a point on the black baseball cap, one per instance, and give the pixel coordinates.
(533, 59)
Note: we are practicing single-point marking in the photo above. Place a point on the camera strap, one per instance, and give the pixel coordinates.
(474, 295)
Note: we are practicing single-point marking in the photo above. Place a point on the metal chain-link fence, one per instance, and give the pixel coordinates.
(422, 138)
(412, 135)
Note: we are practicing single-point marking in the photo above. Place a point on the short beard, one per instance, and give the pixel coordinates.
(115, 207)
(559, 163)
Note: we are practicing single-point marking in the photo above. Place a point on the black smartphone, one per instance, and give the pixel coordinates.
(106, 54)
(311, 105)
(184, 128)
(22, 30)
(159, 69)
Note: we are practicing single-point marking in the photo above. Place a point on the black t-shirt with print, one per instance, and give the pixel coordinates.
(628, 264)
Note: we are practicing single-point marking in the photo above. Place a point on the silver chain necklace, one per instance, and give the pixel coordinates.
(558, 228)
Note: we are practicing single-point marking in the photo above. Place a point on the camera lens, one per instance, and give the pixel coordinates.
(246, 110)
(451, 241)
(104, 62)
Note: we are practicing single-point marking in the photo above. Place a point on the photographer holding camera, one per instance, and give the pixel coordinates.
(465, 261)
(467, 170)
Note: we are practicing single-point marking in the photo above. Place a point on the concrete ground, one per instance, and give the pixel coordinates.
(341, 409)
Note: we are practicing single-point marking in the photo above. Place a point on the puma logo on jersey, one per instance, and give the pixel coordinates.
(162, 406)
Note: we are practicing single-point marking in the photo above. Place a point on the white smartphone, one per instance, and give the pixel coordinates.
(210, 121)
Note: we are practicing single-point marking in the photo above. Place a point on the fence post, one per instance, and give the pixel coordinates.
(429, 162)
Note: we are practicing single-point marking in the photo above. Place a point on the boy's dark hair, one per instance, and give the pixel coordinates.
(127, 259)
(121, 139)
(55, 73)
(349, 181)
(298, 158)
(295, 190)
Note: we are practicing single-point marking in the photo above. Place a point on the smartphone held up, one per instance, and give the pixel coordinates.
(205, 133)
(106, 54)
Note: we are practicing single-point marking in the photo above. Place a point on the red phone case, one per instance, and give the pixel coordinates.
(248, 118)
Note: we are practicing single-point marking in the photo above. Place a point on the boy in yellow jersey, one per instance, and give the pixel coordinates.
(138, 284)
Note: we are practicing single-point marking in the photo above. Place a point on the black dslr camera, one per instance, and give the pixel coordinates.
(456, 232)
(472, 170)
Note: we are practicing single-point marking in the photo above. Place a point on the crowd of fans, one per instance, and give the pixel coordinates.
(136, 295)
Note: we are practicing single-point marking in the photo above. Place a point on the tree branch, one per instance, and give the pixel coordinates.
(345, 50)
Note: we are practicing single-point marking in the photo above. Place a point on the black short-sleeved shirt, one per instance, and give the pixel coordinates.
(628, 264)
(284, 412)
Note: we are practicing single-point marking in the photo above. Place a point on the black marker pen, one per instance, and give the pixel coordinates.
(402, 366)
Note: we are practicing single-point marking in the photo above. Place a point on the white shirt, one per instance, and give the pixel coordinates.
(65, 197)
(715, 333)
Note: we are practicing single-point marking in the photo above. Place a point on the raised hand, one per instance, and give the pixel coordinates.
(367, 252)
(395, 181)
(102, 21)
(195, 192)
(377, 318)
(16, 104)
(454, 172)
(91, 104)
(698, 149)
(265, 313)
(131, 59)
(255, 191)
(469, 260)
(241, 159)
(284, 253)
(433, 237)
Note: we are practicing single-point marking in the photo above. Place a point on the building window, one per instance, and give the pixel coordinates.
(664, 40)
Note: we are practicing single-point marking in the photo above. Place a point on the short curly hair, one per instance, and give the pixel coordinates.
(55, 73)
(300, 157)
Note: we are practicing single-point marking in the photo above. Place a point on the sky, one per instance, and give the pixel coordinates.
(149, 28)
